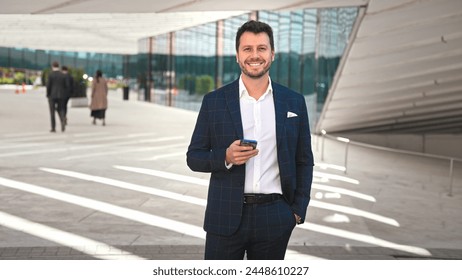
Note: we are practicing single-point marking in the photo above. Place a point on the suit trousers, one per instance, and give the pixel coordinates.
(56, 104)
(263, 234)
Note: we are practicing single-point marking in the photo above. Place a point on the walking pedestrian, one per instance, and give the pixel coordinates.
(99, 91)
(56, 85)
(69, 91)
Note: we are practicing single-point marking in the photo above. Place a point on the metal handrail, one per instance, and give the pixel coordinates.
(348, 141)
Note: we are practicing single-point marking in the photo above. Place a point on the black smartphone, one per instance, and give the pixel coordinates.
(247, 142)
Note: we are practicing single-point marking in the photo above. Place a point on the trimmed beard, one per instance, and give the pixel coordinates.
(252, 74)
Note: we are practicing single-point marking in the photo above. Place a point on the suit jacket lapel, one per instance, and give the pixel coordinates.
(280, 108)
(232, 100)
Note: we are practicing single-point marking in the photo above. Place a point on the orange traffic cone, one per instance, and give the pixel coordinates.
(17, 89)
(23, 88)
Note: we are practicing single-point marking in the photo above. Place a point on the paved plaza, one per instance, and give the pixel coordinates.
(123, 191)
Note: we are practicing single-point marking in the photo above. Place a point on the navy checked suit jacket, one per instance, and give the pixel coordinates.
(219, 124)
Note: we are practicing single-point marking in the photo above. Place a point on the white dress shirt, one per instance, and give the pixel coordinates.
(259, 123)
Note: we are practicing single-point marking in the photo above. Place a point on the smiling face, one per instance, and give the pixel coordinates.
(254, 54)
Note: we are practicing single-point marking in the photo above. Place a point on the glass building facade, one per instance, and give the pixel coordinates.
(30, 59)
(178, 68)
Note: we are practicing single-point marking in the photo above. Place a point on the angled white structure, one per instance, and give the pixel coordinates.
(402, 72)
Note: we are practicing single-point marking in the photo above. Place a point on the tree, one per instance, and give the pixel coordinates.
(204, 84)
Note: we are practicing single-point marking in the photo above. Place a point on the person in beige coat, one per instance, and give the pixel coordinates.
(98, 104)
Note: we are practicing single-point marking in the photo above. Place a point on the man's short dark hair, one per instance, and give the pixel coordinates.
(64, 68)
(254, 27)
(55, 64)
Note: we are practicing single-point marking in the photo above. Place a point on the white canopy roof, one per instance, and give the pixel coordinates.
(114, 26)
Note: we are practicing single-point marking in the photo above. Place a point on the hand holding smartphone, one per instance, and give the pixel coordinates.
(248, 142)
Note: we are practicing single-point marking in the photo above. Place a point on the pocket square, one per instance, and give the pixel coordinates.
(291, 115)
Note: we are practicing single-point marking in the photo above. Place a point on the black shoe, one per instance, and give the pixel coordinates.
(63, 127)
(52, 130)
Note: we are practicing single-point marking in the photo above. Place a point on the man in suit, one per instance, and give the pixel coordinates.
(69, 91)
(57, 85)
(255, 196)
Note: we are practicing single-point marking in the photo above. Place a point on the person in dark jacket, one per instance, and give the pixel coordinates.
(69, 91)
(56, 90)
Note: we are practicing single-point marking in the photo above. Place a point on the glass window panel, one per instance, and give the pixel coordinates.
(29, 59)
(308, 51)
(4, 57)
(231, 70)
(334, 30)
(43, 60)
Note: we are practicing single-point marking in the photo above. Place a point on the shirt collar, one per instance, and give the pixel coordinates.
(243, 93)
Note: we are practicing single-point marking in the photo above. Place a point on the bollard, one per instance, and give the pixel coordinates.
(451, 174)
(346, 156)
